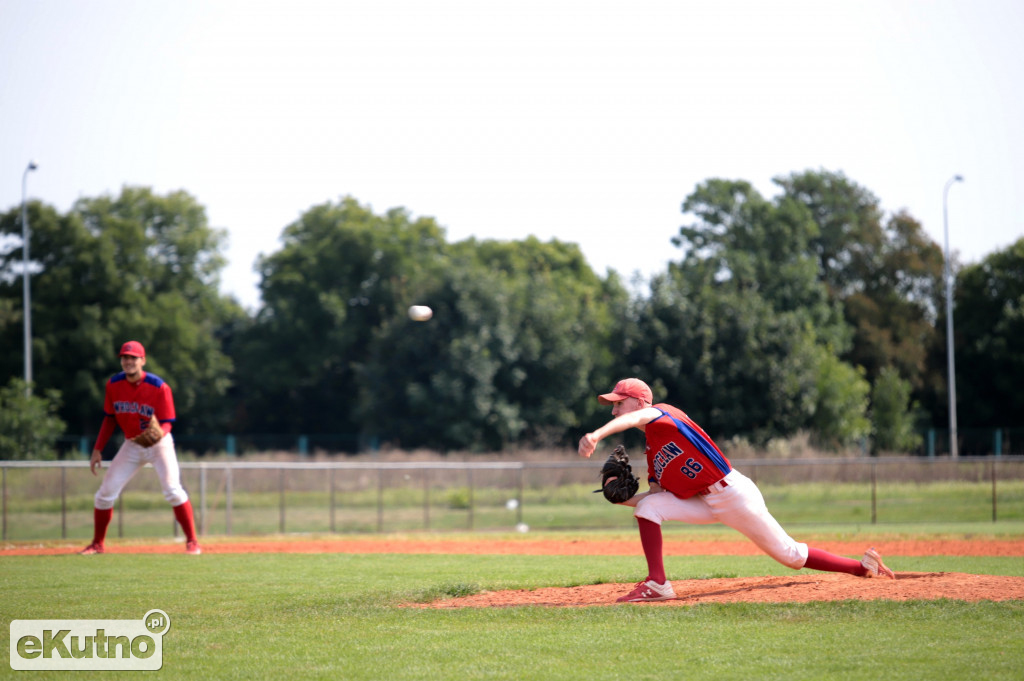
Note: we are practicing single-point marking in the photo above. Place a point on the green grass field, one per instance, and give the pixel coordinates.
(337, 616)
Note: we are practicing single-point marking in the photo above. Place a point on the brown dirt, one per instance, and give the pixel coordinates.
(798, 587)
(543, 547)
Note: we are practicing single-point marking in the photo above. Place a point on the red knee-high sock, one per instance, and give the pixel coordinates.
(184, 515)
(830, 562)
(100, 521)
(650, 539)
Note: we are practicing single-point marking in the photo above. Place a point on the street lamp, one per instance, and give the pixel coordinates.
(25, 281)
(951, 363)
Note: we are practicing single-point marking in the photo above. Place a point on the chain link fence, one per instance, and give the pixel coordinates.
(54, 500)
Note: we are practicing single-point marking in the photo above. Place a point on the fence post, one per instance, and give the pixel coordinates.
(997, 444)
(426, 498)
(303, 445)
(874, 495)
(331, 483)
(469, 480)
(931, 443)
(519, 506)
(281, 481)
(994, 503)
(229, 445)
(63, 503)
(202, 499)
(380, 500)
(4, 494)
(227, 500)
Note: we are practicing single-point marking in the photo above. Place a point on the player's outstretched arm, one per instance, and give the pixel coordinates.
(634, 419)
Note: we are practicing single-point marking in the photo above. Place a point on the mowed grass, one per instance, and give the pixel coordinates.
(339, 616)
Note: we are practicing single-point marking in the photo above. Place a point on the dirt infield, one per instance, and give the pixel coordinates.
(798, 587)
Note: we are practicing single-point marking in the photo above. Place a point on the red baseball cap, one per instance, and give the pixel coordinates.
(133, 348)
(627, 387)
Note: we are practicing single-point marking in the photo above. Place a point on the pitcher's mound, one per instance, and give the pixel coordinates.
(789, 589)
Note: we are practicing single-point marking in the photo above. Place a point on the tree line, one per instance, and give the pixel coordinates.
(810, 311)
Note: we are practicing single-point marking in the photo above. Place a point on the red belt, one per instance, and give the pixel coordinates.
(721, 484)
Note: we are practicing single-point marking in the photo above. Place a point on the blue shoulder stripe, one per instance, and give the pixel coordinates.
(705, 447)
(152, 379)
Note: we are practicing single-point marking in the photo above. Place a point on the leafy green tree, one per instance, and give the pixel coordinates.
(989, 328)
(893, 414)
(519, 334)
(507, 357)
(737, 366)
(342, 272)
(885, 272)
(742, 240)
(29, 425)
(734, 331)
(840, 418)
(849, 234)
(562, 314)
(136, 266)
(893, 314)
(435, 384)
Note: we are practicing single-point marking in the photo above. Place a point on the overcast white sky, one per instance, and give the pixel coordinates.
(587, 121)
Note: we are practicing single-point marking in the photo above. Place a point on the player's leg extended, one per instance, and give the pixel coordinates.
(741, 507)
(818, 559)
(165, 463)
(123, 466)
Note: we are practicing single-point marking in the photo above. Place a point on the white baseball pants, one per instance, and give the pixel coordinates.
(740, 506)
(127, 462)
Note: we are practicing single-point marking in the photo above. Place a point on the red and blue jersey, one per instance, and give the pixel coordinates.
(133, 404)
(680, 455)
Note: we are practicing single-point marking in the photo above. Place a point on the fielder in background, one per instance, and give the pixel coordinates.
(691, 481)
(142, 404)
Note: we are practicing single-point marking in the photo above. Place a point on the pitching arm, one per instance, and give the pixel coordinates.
(634, 419)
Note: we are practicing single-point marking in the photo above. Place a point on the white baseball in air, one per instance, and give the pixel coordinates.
(420, 313)
(522, 527)
(512, 504)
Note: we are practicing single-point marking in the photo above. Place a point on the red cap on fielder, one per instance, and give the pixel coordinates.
(627, 387)
(133, 348)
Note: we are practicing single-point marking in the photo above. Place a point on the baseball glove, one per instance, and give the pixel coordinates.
(617, 480)
(151, 435)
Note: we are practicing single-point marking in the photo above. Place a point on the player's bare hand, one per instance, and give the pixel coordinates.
(587, 445)
(95, 461)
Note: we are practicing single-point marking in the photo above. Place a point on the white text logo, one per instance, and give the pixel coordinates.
(89, 644)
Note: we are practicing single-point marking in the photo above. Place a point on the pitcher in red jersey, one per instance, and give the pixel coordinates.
(132, 398)
(691, 481)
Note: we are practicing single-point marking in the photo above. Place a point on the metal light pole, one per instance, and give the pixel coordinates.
(951, 363)
(25, 281)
